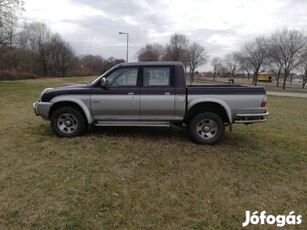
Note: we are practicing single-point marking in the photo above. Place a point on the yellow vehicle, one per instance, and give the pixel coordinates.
(265, 76)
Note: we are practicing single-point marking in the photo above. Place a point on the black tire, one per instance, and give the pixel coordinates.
(206, 128)
(68, 122)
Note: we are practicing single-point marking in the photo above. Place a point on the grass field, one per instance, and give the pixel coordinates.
(147, 178)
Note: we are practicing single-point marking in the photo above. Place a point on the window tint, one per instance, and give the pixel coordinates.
(157, 76)
(123, 77)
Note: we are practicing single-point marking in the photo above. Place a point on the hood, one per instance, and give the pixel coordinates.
(66, 89)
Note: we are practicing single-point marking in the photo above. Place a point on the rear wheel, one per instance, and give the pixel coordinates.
(67, 122)
(206, 128)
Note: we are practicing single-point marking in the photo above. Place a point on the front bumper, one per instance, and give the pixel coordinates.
(42, 109)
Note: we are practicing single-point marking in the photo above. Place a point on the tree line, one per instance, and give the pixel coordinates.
(34, 48)
(283, 52)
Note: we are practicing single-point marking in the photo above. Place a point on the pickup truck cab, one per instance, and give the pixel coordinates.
(151, 94)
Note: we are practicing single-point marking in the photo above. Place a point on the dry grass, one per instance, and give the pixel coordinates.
(9, 75)
(146, 178)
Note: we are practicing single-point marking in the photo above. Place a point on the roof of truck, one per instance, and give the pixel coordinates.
(151, 63)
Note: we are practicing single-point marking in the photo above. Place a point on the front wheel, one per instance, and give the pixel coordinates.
(206, 128)
(67, 122)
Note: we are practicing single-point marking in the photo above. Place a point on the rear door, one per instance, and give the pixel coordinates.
(157, 93)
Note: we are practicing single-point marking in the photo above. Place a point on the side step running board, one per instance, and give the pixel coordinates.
(133, 123)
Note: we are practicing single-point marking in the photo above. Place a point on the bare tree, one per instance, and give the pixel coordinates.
(34, 37)
(217, 63)
(254, 54)
(67, 58)
(97, 64)
(304, 78)
(178, 49)
(61, 57)
(151, 52)
(94, 63)
(286, 48)
(232, 61)
(9, 56)
(7, 30)
(197, 57)
(304, 67)
(8, 17)
(276, 68)
(245, 66)
(110, 62)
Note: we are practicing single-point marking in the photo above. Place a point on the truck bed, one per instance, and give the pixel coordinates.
(232, 89)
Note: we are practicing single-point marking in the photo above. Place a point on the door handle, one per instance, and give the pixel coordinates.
(130, 93)
(167, 93)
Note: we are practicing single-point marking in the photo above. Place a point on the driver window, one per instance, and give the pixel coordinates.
(123, 77)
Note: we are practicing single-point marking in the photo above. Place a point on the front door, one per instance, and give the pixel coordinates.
(121, 99)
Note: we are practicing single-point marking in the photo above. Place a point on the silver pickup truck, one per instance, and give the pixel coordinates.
(151, 94)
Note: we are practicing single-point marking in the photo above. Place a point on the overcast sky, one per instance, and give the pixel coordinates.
(92, 26)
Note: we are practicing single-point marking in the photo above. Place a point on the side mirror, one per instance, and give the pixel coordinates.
(104, 83)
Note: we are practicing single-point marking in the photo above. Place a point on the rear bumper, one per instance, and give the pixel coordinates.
(42, 109)
(251, 118)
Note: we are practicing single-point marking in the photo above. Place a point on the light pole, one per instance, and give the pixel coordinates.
(127, 43)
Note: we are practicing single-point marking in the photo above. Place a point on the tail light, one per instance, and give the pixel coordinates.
(263, 103)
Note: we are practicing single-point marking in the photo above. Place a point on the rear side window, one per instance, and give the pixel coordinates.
(157, 76)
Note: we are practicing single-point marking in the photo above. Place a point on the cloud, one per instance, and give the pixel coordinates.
(222, 26)
(135, 17)
(112, 7)
(292, 14)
